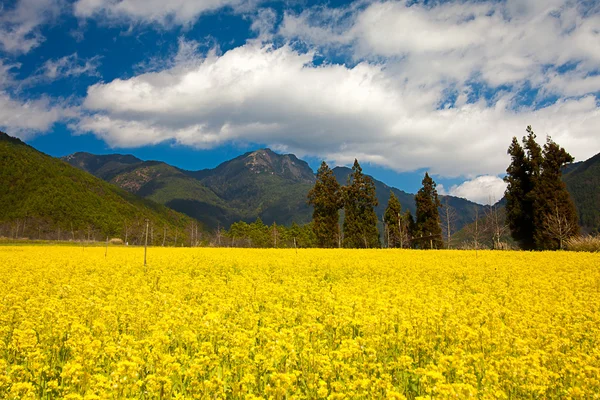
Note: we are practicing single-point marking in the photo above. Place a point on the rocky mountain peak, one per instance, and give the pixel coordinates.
(284, 165)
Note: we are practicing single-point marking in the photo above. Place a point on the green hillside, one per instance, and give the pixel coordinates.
(264, 184)
(583, 182)
(257, 184)
(44, 197)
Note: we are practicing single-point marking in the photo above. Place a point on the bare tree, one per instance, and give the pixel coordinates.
(558, 226)
(495, 221)
(448, 219)
(476, 230)
(126, 234)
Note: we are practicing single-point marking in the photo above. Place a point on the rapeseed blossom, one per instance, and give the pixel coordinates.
(306, 324)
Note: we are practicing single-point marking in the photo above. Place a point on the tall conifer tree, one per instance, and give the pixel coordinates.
(360, 221)
(552, 200)
(535, 191)
(325, 197)
(427, 224)
(393, 219)
(518, 208)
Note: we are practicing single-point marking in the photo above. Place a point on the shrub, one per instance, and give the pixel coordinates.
(584, 243)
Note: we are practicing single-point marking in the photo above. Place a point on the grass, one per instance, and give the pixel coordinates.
(584, 243)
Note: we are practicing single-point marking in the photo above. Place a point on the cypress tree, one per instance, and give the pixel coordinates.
(393, 219)
(360, 221)
(535, 194)
(325, 197)
(427, 224)
(553, 205)
(519, 210)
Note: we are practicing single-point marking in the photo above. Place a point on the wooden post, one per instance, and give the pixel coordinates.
(146, 243)
(106, 248)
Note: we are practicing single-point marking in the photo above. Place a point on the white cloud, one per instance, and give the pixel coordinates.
(486, 189)
(6, 76)
(69, 66)
(180, 12)
(457, 43)
(20, 25)
(277, 96)
(27, 118)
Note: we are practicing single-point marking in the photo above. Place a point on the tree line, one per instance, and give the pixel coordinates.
(539, 213)
(357, 201)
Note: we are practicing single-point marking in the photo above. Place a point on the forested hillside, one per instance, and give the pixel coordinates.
(583, 182)
(44, 197)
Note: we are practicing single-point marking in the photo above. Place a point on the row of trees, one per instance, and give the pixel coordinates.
(357, 200)
(540, 212)
(133, 232)
(257, 234)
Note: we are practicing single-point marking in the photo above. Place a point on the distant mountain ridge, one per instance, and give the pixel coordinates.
(260, 183)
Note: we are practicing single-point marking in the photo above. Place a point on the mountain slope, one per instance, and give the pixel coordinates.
(159, 182)
(45, 196)
(260, 183)
(583, 182)
(265, 184)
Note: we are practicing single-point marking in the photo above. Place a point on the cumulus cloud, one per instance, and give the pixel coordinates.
(180, 12)
(278, 96)
(27, 118)
(485, 189)
(453, 44)
(20, 25)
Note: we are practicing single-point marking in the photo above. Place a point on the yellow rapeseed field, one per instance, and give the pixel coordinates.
(311, 324)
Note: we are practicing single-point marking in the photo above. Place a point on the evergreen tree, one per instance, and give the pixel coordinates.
(519, 210)
(393, 221)
(428, 219)
(259, 234)
(325, 197)
(536, 194)
(552, 203)
(360, 222)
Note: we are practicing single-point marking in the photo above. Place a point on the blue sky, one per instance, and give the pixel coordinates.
(404, 86)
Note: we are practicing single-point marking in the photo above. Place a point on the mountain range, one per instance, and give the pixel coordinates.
(261, 184)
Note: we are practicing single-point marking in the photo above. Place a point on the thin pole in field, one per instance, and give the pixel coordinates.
(146, 243)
